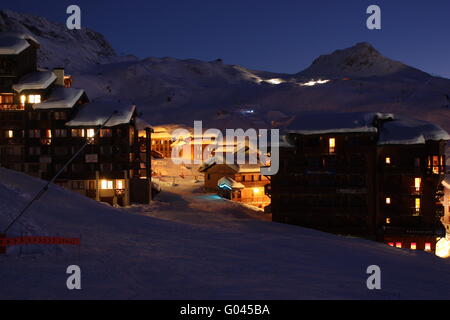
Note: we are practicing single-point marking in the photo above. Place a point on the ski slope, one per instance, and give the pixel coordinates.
(189, 245)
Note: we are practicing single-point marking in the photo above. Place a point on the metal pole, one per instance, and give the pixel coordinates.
(45, 188)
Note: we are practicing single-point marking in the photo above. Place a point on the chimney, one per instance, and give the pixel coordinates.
(59, 73)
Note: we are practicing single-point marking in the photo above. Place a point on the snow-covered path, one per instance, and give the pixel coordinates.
(194, 246)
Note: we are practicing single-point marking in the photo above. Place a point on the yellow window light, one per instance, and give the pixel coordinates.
(106, 185)
(332, 145)
(120, 184)
(388, 200)
(388, 160)
(417, 183)
(10, 134)
(90, 133)
(23, 99)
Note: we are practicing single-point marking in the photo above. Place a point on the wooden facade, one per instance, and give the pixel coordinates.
(348, 183)
(39, 140)
(245, 184)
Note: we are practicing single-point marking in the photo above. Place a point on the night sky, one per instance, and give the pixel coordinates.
(279, 36)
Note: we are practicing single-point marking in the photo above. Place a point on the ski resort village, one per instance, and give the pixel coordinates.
(228, 184)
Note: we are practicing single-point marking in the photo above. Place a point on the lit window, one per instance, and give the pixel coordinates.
(417, 183)
(107, 184)
(10, 133)
(427, 246)
(34, 98)
(332, 145)
(435, 164)
(388, 200)
(417, 205)
(398, 245)
(391, 244)
(49, 133)
(120, 184)
(90, 133)
(388, 220)
(413, 246)
(388, 160)
(23, 99)
(256, 190)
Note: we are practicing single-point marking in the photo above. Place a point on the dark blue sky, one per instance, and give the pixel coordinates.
(280, 36)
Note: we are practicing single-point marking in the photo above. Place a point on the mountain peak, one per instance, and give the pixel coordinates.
(360, 60)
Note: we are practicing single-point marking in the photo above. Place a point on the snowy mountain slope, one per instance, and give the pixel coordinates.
(74, 50)
(201, 247)
(361, 60)
(169, 90)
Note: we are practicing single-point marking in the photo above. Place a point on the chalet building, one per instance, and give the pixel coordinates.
(365, 174)
(241, 183)
(162, 142)
(44, 122)
(446, 203)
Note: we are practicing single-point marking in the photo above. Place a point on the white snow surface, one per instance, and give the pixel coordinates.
(230, 182)
(61, 98)
(190, 245)
(11, 45)
(410, 131)
(321, 123)
(97, 112)
(38, 80)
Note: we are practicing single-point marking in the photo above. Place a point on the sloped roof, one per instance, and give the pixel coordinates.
(238, 168)
(15, 43)
(393, 130)
(94, 114)
(38, 80)
(61, 98)
(410, 131)
(229, 182)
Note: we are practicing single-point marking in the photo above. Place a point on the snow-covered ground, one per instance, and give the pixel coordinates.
(190, 245)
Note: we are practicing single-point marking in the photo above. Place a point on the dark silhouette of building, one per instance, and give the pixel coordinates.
(44, 122)
(366, 174)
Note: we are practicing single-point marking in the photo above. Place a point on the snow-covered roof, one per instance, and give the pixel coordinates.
(393, 130)
(96, 113)
(61, 98)
(238, 168)
(141, 124)
(35, 81)
(446, 182)
(410, 131)
(15, 43)
(230, 183)
(322, 123)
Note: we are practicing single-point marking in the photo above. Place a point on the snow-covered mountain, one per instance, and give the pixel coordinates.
(169, 90)
(76, 50)
(360, 61)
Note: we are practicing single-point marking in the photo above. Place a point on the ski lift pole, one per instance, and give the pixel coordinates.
(45, 188)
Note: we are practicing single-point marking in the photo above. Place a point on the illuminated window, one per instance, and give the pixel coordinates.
(388, 220)
(388, 200)
(120, 184)
(107, 184)
(23, 99)
(398, 245)
(34, 98)
(413, 246)
(332, 145)
(256, 190)
(417, 205)
(417, 183)
(427, 246)
(10, 134)
(388, 160)
(391, 244)
(90, 133)
(49, 133)
(435, 164)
